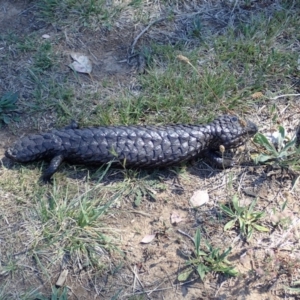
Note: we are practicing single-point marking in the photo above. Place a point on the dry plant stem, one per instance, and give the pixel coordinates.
(182, 232)
(143, 31)
(136, 277)
(140, 213)
(283, 96)
(155, 289)
(138, 293)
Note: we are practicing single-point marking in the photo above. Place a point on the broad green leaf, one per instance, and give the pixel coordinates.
(263, 141)
(233, 272)
(289, 145)
(225, 253)
(197, 241)
(201, 269)
(227, 210)
(284, 205)
(281, 137)
(292, 289)
(138, 198)
(235, 202)
(250, 232)
(183, 276)
(260, 228)
(229, 225)
(251, 206)
(263, 158)
(6, 119)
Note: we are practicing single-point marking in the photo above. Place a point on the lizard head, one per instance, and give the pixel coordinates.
(231, 131)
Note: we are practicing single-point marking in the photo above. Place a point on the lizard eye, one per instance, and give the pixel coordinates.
(234, 119)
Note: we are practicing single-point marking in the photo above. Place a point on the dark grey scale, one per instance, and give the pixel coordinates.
(64, 135)
(37, 139)
(75, 142)
(122, 132)
(131, 135)
(88, 133)
(99, 135)
(148, 146)
(49, 136)
(65, 143)
(120, 144)
(139, 143)
(172, 134)
(32, 148)
(156, 138)
(40, 147)
(226, 130)
(93, 148)
(146, 136)
(25, 141)
(47, 144)
(111, 135)
(142, 152)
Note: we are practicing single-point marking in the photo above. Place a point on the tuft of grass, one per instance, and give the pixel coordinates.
(8, 107)
(76, 223)
(87, 13)
(245, 216)
(139, 185)
(43, 58)
(211, 260)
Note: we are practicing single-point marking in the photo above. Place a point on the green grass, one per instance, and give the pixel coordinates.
(226, 70)
(8, 107)
(213, 260)
(76, 223)
(88, 13)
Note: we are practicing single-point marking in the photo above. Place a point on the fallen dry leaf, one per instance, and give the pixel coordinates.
(148, 238)
(45, 36)
(81, 63)
(62, 278)
(175, 218)
(199, 198)
(257, 95)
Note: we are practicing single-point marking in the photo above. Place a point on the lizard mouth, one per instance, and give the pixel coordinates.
(252, 128)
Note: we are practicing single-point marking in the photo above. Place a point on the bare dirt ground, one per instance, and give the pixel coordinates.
(267, 264)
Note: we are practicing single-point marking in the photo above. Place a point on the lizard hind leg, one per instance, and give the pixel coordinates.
(53, 166)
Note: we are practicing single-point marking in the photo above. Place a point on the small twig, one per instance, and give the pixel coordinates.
(140, 213)
(219, 288)
(286, 95)
(145, 292)
(182, 232)
(150, 292)
(137, 278)
(143, 31)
